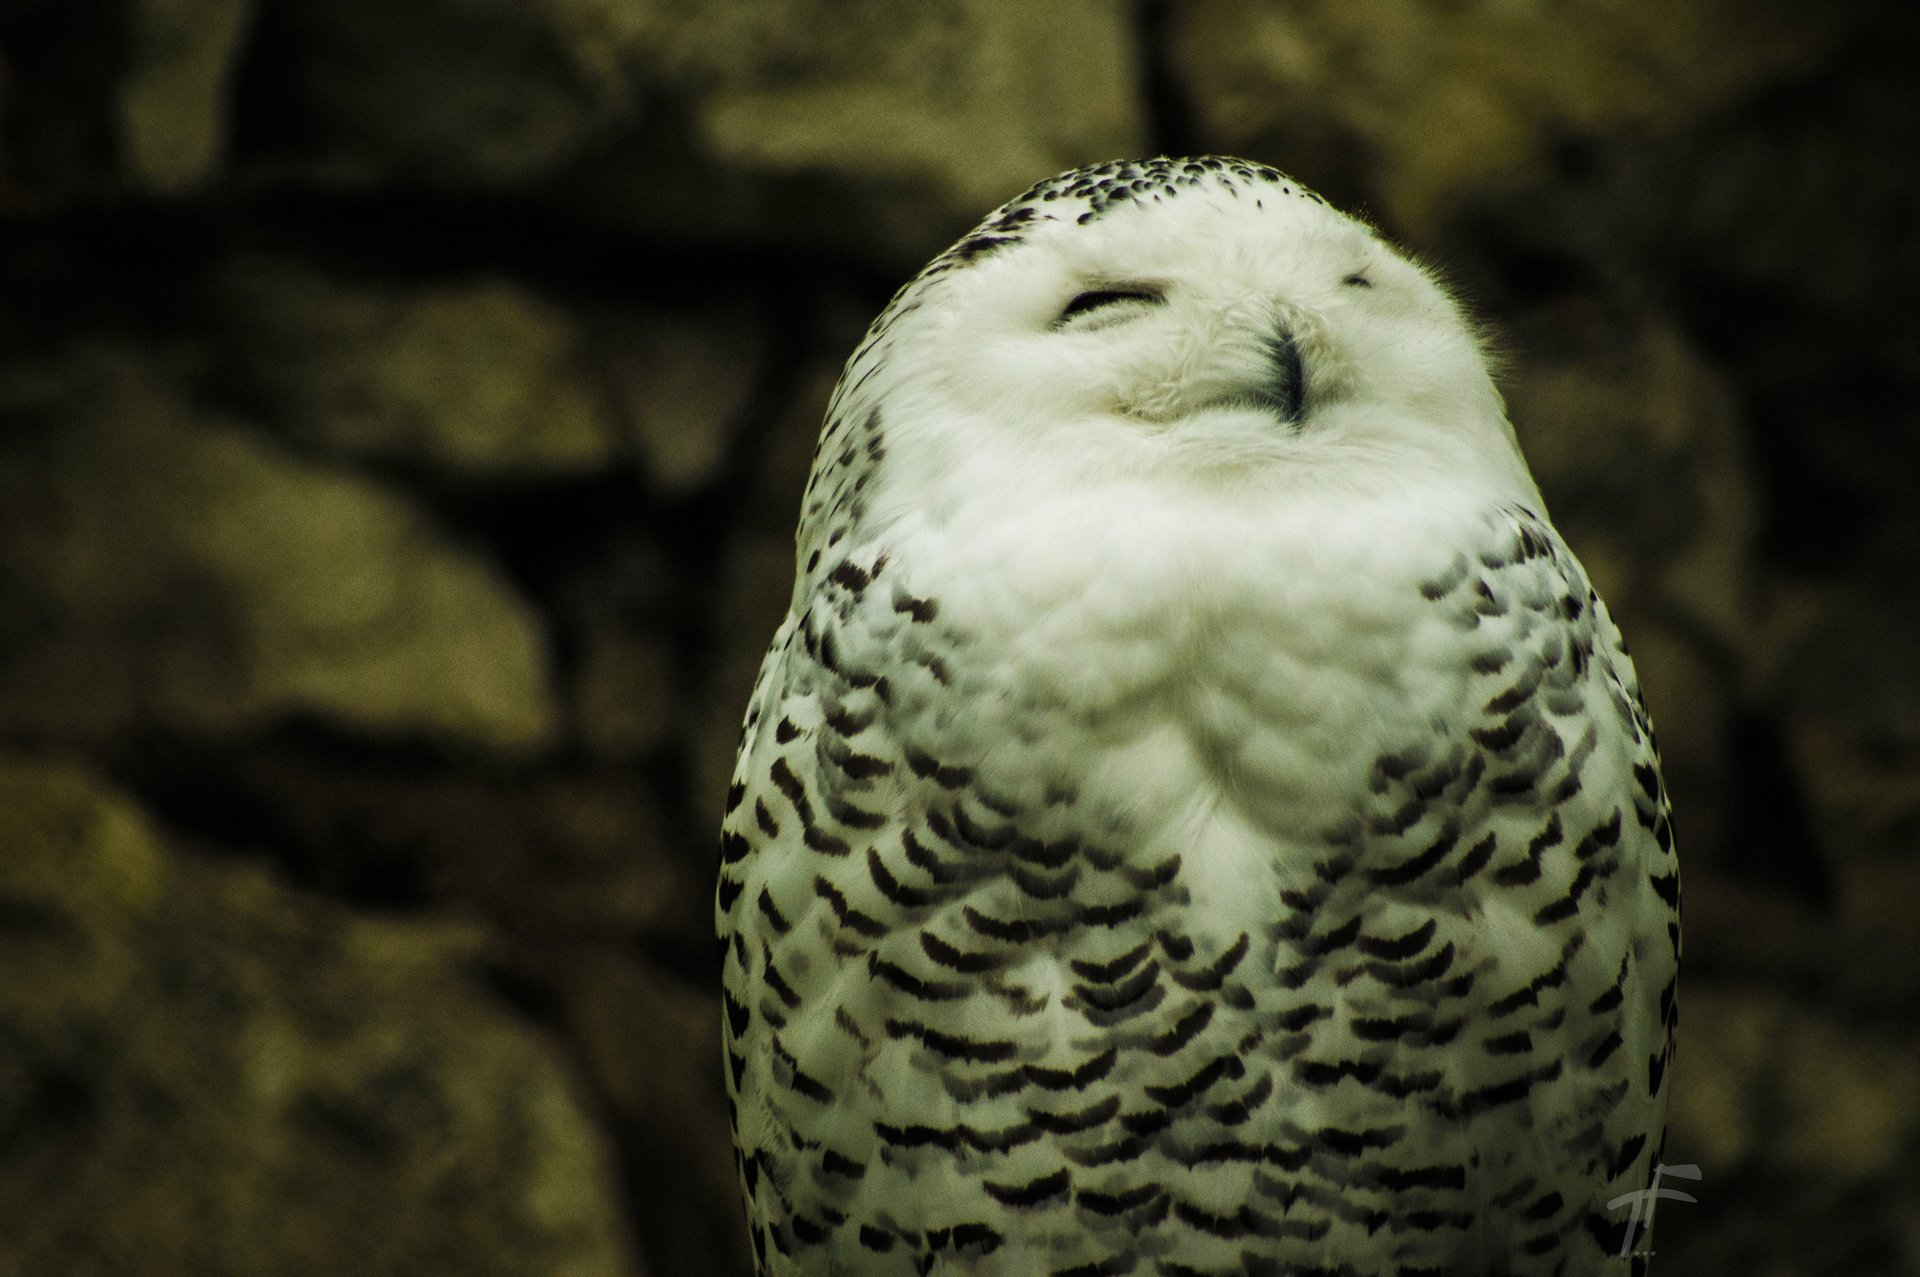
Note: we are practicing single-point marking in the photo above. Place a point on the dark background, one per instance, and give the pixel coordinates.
(403, 408)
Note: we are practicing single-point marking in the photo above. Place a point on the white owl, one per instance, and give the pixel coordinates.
(1196, 817)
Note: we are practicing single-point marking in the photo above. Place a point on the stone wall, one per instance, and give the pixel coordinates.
(403, 409)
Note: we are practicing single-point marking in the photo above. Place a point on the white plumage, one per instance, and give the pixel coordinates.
(1196, 817)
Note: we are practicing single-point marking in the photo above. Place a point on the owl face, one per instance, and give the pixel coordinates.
(1227, 330)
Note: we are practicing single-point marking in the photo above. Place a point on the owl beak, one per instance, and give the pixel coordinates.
(1276, 387)
(1283, 389)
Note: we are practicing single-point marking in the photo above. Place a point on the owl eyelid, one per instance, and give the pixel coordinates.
(1094, 299)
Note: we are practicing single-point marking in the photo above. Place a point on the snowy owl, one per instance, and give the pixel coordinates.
(1196, 816)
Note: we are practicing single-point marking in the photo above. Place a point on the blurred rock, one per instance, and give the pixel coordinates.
(1757, 1224)
(1788, 183)
(206, 1073)
(626, 693)
(58, 81)
(174, 97)
(681, 373)
(470, 94)
(80, 866)
(1743, 933)
(540, 856)
(939, 112)
(1848, 693)
(471, 381)
(157, 571)
(873, 126)
(103, 99)
(1635, 441)
(651, 1045)
(1864, 789)
(781, 452)
(1800, 1110)
(1775, 232)
(1768, 1079)
(1410, 109)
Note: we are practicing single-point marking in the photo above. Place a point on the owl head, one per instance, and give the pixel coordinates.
(1204, 322)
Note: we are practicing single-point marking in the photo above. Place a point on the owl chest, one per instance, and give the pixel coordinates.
(1122, 619)
(1176, 780)
(1158, 708)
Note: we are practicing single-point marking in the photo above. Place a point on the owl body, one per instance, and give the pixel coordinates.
(1196, 816)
